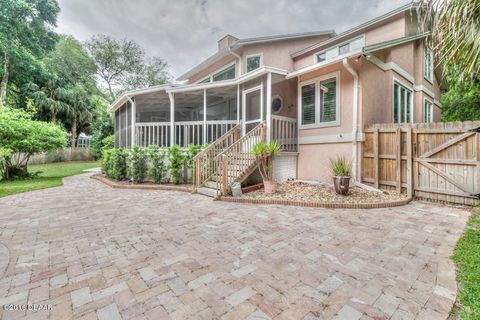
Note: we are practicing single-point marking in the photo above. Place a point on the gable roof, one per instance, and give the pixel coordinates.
(358, 28)
(394, 42)
(222, 53)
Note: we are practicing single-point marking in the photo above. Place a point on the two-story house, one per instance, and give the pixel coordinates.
(312, 92)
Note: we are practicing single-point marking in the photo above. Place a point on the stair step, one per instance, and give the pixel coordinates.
(211, 184)
(207, 192)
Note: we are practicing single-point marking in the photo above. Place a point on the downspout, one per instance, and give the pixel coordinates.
(239, 60)
(355, 173)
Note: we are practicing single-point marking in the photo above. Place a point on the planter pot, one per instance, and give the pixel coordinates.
(341, 185)
(270, 186)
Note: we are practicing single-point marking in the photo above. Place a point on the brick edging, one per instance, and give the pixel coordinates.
(330, 205)
(117, 185)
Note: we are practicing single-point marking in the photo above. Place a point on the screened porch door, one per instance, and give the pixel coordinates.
(252, 108)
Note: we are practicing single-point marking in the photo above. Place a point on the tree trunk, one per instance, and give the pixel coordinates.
(110, 90)
(53, 116)
(4, 83)
(74, 130)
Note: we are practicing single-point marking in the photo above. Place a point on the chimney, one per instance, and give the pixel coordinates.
(226, 41)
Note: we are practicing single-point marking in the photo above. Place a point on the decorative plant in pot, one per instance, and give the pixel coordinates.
(341, 171)
(264, 153)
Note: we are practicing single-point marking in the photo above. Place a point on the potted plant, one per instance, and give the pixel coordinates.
(264, 153)
(341, 170)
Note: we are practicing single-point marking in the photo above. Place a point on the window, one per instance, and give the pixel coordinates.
(206, 80)
(277, 104)
(319, 101)
(428, 64)
(402, 104)
(427, 111)
(342, 49)
(225, 74)
(253, 62)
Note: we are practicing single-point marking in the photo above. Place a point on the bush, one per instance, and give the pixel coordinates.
(176, 161)
(137, 164)
(158, 168)
(24, 137)
(192, 151)
(98, 145)
(114, 163)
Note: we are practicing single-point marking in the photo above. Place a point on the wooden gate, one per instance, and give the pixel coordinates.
(438, 161)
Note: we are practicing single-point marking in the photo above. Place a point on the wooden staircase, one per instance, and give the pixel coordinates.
(223, 163)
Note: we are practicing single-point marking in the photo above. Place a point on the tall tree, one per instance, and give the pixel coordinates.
(26, 34)
(455, 26)
(123, 65)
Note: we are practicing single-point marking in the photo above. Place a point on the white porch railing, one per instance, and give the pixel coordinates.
(284, 131)
(186, 132)
(152, 133)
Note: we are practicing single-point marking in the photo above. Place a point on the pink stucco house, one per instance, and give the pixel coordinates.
(313, 91)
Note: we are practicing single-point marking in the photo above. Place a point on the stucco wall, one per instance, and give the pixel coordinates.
(213, 68)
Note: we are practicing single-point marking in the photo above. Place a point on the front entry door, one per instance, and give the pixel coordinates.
(252, 108)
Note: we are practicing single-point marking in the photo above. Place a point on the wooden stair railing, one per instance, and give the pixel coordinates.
(204, 165)
(237, 161)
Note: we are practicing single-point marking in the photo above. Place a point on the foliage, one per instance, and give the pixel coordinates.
(123, 65)
(455, 26)
(462, 101)
(192, 151)
(114, 163)
(264, 153)
(97, 146)
(25, 137)
(137, 164)
(50, 175)
(102, 129)
(5, 155)
(158, 167)
(340, 167)
(467, 257)
(26, 35)
(176, 161)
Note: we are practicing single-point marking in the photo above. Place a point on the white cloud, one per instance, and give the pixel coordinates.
(184, 32)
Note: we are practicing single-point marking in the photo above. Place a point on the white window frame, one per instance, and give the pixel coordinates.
(432, 106)
(317, 81)
(338, 45)
(260, 54)
(408, 87)
(219, 70)
(427, 52)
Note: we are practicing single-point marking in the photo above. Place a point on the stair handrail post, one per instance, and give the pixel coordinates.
(224, 174)
(264, 132)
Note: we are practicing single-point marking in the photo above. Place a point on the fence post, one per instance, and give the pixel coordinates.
(376, 167)
(409, 163)
(399, 159)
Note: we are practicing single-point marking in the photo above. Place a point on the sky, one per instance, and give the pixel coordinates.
(185, 32)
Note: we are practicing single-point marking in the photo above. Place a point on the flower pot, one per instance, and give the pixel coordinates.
(341, 184)
(270, 186)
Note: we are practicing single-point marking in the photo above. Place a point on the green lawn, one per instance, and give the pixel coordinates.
(51, 176)
(467, 257)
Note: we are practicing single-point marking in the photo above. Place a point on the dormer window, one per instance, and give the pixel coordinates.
(225, 74)
(341, 50)
(254, 62)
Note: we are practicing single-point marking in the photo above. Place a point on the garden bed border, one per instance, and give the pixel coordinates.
(114, 184)
(330, 205)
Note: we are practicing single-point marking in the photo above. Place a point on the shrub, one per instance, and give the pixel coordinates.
(137, 164)
(98, 145)
(192, 151)
(24, 137)
(158, 168)
(176, 161)
(340, 167)
(114, 163)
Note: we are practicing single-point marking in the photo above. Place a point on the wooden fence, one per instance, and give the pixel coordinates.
(435, 161)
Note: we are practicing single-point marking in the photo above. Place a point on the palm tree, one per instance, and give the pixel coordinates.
(455, 26)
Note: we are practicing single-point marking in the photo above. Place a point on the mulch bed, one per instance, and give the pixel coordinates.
(306, 192)
(146, 185)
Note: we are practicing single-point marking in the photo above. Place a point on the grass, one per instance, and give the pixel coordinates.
(51, 176)
(467, 257)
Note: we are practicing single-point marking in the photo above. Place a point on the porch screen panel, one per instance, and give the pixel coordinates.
(123, 132)
(328, 96)
(117, 126)
(128, 137)
(308, 104)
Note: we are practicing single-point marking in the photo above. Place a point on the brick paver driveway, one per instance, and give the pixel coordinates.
(95, 252)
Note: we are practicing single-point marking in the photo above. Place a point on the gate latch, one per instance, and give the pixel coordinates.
(477, 129)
